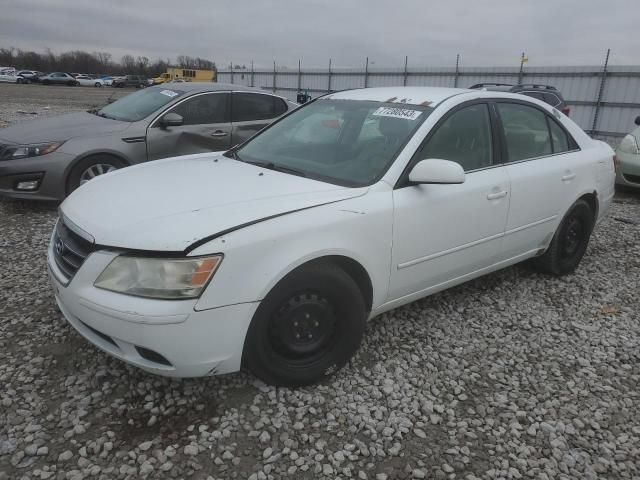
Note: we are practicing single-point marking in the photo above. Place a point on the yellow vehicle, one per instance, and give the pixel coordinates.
(185, 74)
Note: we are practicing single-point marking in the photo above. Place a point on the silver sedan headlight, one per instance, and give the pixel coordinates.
(14, 152)
(162, 278)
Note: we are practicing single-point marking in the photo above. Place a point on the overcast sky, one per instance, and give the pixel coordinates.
(430, 32)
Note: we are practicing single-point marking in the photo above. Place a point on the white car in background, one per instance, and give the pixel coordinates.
(9, 75)
(89, 81)
(274, 254)
(628, 154)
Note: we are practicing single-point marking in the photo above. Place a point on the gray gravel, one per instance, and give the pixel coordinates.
(516, 375)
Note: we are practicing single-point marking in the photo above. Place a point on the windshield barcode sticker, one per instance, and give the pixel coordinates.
(169, 93)
(397, 113)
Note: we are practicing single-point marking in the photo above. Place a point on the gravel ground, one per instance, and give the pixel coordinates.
(515, 375)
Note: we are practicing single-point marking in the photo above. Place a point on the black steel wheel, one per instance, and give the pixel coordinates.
(303, 327)
(570, 241)
(307, 327)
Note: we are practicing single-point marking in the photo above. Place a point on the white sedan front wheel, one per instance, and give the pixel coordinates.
(307, 327)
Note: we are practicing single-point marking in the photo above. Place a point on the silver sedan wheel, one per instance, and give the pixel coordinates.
(95, 170)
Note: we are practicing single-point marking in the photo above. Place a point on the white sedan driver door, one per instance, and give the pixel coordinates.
(443, 234)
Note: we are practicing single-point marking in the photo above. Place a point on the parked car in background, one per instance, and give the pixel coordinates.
(30, 76)
(48, 158)
(89, 81)
(546, 93)
(59, 78)
(9, 75)
(274, 254)
(628, 154)
(137, 81)
(107, 81)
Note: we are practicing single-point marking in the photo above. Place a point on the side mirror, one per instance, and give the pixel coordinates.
(437, 171)
(637, 120)
(171, 120)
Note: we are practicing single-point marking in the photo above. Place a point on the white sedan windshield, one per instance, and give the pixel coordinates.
(347, 142)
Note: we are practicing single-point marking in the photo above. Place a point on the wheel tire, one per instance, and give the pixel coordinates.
(74, 178)
(569, 242)
(19, 80)
(321, 293)
(97, 84)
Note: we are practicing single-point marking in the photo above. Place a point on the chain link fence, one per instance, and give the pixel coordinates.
(604, 99)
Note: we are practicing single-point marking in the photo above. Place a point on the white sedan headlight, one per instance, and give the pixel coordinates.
(629, 145)
(161, 278)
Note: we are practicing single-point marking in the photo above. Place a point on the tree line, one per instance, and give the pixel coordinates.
(79, 61)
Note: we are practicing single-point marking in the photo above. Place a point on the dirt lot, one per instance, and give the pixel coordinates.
(516, 375)
(24, 102)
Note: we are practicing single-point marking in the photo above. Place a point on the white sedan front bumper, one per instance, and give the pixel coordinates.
(164, 337)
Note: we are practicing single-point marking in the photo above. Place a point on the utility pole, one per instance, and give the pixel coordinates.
(455, 80)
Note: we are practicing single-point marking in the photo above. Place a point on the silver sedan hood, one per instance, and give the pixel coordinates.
(172, 204)
(60, 128)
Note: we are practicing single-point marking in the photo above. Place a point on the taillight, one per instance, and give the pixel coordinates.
(566, 111)
(616, 163)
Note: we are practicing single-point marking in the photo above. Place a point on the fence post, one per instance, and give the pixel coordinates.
(404, 78)
(252, 73)
(299, 77)
(521, 72)
(366, 73)
(329, 81)
(274, 76)
(603, 80)
(455, 79)
(231, 71)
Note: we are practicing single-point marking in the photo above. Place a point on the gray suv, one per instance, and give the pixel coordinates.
(47, 159)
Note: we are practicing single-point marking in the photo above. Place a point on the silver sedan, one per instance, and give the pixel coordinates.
(47, 159)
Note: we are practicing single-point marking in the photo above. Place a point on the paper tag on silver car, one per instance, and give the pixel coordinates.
(169, 93)
(397, 113)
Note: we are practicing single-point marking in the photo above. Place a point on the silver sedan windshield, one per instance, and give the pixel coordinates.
(139, 105)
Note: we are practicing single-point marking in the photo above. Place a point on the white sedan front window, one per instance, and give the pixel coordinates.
(348, 142)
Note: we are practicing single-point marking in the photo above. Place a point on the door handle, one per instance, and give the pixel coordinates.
(219, 133)
(497, 195)
(568, 176)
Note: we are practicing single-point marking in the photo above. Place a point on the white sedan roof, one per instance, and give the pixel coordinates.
(427, 96)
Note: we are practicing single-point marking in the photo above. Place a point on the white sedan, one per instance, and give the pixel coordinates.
(274, 254)
(89, 81)
(10, 76)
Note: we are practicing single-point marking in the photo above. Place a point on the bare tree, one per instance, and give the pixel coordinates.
(104, 59)
(143, 64)
(95, 63)
(128, 63)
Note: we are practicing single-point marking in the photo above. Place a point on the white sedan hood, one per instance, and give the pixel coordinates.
(168, 205)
